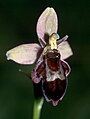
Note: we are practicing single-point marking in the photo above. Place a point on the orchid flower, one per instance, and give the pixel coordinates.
(48, 56)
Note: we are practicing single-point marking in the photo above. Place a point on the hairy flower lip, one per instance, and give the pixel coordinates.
(56, 101)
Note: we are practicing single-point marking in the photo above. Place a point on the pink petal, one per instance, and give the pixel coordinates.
(47, 23)
(65, 50)
(24, 54)
(63, 39)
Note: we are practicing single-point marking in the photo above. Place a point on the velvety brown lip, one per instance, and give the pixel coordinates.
(53, 60)
(54, 89)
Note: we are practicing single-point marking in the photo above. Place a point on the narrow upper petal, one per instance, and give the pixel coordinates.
(62, 39)
(47, 23)
(24, 54)
(65, 50)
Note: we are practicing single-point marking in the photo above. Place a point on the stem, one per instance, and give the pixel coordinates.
(37, 108)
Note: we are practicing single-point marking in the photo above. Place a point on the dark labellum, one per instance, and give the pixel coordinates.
(52, 72)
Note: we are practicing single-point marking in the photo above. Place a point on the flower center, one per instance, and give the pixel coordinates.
(53, 40)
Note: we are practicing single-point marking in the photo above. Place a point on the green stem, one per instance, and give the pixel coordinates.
(37, 108)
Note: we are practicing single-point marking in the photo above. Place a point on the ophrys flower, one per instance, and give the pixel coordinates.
(50, 68)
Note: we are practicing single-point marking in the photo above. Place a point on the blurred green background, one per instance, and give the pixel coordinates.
(17, 26)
